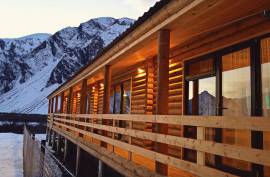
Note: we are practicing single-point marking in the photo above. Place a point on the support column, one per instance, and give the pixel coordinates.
(106, 96)
(56, 104)
(58, 144)
(83, 97)
(49, 106)
(52, 102)
(69, 110)
(162, 92)
(62, 102)
(78, 154)
(65, 150)
(53, 140)
(107, 89)
(100, 168)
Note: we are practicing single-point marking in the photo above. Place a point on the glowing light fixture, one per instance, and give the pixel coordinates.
(140, 70)
(101, 85)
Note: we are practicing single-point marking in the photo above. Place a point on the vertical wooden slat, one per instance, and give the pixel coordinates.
(200, 155)
(162, 92)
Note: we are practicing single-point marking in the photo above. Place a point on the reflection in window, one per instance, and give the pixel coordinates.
(265, 54)
(111, 101)
(207, 96)
(236, 83)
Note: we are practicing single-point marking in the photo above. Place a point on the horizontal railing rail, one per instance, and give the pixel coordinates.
(79, 122)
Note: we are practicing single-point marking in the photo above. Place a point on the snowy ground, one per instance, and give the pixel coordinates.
(11, 158)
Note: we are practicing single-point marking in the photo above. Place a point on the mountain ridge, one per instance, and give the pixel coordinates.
(39, 63)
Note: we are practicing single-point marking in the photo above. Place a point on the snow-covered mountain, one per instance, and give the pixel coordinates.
(33, 66)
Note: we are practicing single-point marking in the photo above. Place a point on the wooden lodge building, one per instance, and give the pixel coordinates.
(185, 91)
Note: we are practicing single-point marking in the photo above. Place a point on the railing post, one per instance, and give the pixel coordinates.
(162, 92)
(78, 154)
(200, 155)
(65, 150)
(100, 168)
(58, 144)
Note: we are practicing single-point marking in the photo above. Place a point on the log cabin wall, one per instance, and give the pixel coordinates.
(142, 98)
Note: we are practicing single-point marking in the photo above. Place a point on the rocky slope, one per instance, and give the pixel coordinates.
(33, 66)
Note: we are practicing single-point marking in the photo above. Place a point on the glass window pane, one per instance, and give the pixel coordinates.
(112, 101)
(236, 83)
(207, 96)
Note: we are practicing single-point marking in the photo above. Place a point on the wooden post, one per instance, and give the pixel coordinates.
(107, 89)
(58, 144)
(78, 154)
(200, 155)
(69, 110)
(65, 150)
(162, 92)
(53, 140)
(62, 102)
(49, 106)
(83, 97)
(56, 104)
(100, 168)
(52, 102)
(106, 96)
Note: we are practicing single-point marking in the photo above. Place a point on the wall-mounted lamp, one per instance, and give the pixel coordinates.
(140, 70)
(101, 85)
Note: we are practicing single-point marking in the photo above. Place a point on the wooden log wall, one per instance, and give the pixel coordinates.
(142, 99)
(175, 101)
(100, 98)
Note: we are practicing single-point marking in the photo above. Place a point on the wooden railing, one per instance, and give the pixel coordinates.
(81, 123)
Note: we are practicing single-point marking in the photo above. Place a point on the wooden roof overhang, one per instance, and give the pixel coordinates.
(186, 19)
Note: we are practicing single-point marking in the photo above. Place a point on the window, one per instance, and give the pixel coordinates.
(236, 83)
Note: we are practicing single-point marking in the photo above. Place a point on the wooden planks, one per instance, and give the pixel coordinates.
(247, 123)
(189, 166)
(233, 151)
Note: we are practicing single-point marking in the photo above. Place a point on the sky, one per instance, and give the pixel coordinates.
(23, 17)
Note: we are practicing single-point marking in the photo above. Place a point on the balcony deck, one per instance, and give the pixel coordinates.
(87, 131)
